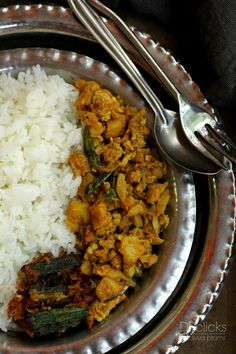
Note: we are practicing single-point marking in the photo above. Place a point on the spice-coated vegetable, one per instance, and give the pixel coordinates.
(56, 320)
(56, 264)
(48, 293)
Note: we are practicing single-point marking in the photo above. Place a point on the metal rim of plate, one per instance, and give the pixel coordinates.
(206, 282)
(161, 285)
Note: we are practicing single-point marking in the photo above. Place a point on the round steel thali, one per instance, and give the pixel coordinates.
(194, 259)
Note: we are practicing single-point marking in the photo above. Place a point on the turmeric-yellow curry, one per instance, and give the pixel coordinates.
(117, 218)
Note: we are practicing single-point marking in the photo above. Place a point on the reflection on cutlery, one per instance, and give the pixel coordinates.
(201, 128)
(168, 130)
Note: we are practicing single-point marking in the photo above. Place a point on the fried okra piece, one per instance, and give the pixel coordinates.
(55, 265)
(56, 320)
(49, 294)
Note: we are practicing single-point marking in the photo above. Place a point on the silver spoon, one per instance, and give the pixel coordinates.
(201, 129)
(167, 127)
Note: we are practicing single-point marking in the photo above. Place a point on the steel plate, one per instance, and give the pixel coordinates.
(159, 284)
(151, 318)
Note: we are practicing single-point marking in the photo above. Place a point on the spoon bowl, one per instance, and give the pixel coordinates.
(178, 148)
(168, 131)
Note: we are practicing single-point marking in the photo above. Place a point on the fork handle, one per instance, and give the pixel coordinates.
(97, 27)
(160, 74)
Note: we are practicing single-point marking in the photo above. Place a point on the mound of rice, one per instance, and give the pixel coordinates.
(37, 132)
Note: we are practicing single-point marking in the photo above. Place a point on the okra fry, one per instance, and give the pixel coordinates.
(56, 320)
(89, 149)
(56, 265)
(47, 293)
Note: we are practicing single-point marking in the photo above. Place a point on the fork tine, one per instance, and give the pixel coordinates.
(221, 150)
(220, 137)
(214, 150)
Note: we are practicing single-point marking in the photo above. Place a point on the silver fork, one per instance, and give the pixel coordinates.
(202, 130)
(169, 134)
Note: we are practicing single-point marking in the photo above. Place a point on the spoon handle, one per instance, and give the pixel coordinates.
(96, 26)
(160, 74)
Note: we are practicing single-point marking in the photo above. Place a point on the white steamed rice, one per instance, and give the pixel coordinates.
(37, 132)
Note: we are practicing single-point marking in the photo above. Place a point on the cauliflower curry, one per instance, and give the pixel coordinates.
(117, 217)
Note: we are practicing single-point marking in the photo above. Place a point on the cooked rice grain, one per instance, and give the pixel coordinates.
(37, 133)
